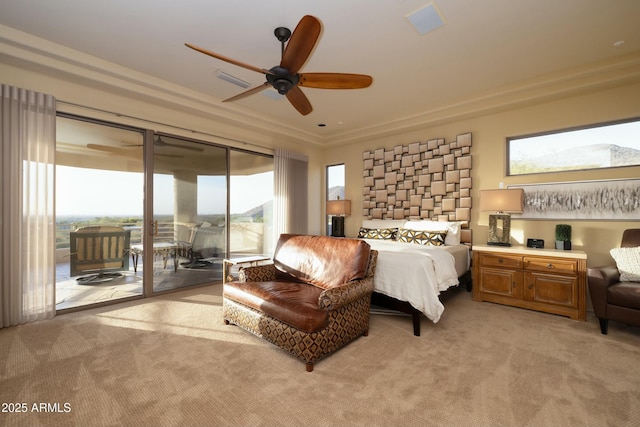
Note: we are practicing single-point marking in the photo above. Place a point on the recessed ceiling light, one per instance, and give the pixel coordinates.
(619, 43)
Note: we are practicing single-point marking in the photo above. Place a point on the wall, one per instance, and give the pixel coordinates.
(489, 163)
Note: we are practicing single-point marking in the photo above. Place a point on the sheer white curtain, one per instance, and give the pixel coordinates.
(290, 193)
(27, 229)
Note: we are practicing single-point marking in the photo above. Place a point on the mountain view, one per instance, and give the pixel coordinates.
(335, 192)
(588, 157)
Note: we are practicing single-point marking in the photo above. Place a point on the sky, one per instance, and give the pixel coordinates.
(82, 192)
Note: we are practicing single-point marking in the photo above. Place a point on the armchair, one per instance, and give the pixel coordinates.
(615, 290)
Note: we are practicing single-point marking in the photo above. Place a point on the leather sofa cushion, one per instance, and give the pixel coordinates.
(324, 261)
(293, 303)
(624, 294)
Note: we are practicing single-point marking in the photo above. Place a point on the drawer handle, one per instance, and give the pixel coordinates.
(550, 265)
(530, 286)
(500, 260)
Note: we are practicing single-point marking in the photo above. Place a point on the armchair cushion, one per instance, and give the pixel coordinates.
(295, 304)
(628, 263)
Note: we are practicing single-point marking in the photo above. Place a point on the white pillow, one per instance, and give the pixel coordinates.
(628, 263)
(451, 227)
(383, 223)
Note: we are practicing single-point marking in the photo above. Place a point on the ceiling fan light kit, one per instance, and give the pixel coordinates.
(284, 78)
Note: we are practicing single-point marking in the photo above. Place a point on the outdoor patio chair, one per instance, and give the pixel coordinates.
(99, 253)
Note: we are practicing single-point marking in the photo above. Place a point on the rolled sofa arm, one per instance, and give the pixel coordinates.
(331, 299)
(257, 273)
(339, 296)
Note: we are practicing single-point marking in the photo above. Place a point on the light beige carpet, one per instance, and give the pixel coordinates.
(170, 361)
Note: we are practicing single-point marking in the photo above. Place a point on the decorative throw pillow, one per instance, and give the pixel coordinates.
(378, 233)
(628, 263)
(419, 237)
(452, 228)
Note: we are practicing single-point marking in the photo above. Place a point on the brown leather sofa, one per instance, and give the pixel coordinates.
(611, 298)
(311, 301)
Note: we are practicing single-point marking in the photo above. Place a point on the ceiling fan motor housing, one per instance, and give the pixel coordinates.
(282, 80)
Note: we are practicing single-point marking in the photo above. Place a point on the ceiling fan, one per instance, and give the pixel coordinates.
(285, 77)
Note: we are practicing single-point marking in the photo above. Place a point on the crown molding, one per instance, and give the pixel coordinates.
(618, 71)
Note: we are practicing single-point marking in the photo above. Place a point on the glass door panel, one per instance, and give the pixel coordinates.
(99, 211)
(189, 213)
(250, 204)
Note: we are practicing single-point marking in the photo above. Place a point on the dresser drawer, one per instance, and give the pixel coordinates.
(500, 260)
(551, 265)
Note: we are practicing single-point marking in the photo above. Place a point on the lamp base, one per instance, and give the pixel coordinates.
(498, 244)
(337, 226)
(495, 237)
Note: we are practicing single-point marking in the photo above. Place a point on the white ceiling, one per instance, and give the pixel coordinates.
(484, 47)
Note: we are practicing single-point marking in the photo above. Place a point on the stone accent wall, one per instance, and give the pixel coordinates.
(422, 180)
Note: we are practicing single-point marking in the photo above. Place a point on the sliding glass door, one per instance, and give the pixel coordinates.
(99, 211)
(250, 204)
(139, 213)
(189, 212)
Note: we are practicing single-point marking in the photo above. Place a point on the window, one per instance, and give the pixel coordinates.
(335, 187)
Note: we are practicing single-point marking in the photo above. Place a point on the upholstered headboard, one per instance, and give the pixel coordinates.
(422, 180)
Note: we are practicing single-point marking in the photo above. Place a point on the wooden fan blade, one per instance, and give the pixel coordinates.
(227, 59)
(335, 80)
(299, 101)
(301, 43)
(256, 89)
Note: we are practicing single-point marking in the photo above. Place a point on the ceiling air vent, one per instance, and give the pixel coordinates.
(426, 19)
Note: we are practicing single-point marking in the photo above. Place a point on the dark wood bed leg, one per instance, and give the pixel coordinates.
(309, 366)
(226, 322)
(416, 323)
(365, 333)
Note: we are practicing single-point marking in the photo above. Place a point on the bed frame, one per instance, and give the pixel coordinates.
(391, 303)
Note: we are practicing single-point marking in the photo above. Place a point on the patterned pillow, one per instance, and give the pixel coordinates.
(378, 233)
(427, 238)
(628, 263)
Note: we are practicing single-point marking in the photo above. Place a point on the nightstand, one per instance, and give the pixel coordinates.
(548, 280)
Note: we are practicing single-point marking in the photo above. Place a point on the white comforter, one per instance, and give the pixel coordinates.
(414, 273)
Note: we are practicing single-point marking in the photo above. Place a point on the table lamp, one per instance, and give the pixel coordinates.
(338, 208)
(504, 202)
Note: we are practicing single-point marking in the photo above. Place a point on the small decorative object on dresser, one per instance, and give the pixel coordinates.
(537, 279)
(563, 237)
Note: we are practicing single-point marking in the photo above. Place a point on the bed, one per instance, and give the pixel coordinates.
(417, 261)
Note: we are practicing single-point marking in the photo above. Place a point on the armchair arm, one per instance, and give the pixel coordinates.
(339, 296)
(600, 279)
(331, 299)
(257, 273)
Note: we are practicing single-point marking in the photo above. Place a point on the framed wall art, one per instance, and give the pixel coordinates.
(617, 199)
(608, 145)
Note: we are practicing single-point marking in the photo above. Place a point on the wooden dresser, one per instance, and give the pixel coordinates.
(548, 280)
